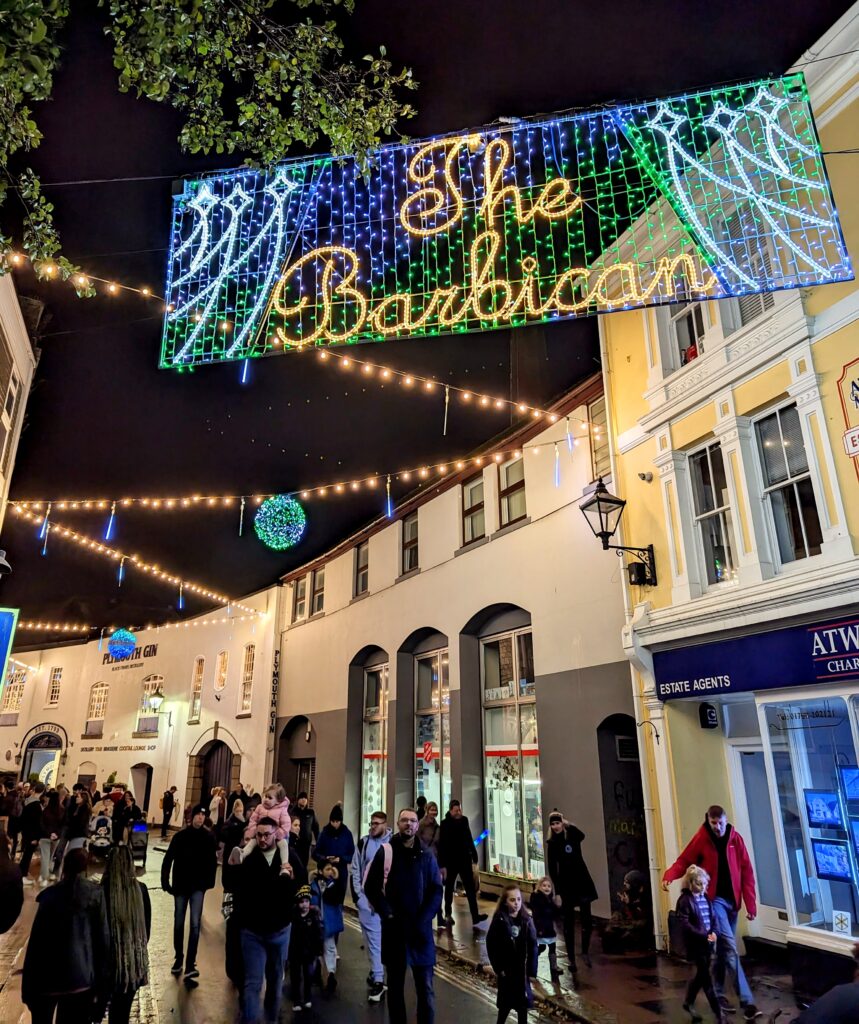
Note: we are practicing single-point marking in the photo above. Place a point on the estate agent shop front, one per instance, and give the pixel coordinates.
(787, 702)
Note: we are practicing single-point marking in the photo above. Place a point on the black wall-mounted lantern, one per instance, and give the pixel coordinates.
(602, 512)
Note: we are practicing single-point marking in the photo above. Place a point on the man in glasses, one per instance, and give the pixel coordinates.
(371, 924)
(404, 888)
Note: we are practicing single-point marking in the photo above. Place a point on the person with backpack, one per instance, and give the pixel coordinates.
(695, 914)
(371, 923)
(407, 899)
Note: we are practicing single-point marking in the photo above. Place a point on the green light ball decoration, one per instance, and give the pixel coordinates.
(280, 522)
(121, 644)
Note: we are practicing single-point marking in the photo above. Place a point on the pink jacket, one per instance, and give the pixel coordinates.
(280, 813)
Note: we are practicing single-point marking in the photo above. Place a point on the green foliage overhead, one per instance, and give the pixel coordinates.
(246, 79)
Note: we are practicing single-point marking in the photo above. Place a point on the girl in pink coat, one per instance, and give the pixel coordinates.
(275, 805)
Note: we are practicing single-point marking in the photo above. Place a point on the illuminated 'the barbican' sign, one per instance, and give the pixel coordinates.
(704, 196)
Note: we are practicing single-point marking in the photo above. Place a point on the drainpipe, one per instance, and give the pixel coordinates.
(633, 652)
(276, 646)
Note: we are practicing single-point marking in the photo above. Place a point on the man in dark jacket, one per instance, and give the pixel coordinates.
(191, 855)
(264, 896)
(308, 832)
(31, 828)
(407, 901)
(457, 856)
(168, 804)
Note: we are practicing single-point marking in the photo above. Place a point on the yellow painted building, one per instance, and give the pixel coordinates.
(737, 462)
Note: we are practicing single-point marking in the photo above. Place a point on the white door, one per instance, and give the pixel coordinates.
(753, 819)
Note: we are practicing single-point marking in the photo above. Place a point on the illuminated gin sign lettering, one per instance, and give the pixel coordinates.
(708, 196)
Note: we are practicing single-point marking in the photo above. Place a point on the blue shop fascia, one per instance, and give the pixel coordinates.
(785, 700)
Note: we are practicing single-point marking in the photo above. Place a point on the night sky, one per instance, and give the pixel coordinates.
(103, 420)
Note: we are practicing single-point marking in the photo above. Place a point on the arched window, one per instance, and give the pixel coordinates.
(221, 670)
(14, 692)
(247, 691)
(511, 753)
(374, 759)
(147, 718)
(432, 728)
(196, 690)
(97, 709)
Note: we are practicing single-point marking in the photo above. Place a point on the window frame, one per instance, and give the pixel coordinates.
(505, 493)
(146, 714)
(16, 681)
(195, 703)
(469, 511)
(222, 667)
(299, 597)
(94, 705)
(317, 593)
(55, 679)
(246, 689)
(439, 709)
(380, 717)
(599, 446)
(361, 578)
(718, 512)
(409, 545)
(767, 490)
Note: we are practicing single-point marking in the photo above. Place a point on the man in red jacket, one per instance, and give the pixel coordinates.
(719, 849)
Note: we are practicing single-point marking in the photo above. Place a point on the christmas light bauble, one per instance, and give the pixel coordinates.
(280, 522)
(121, 644)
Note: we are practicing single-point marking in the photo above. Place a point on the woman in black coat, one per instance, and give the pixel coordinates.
(511, 944)
(573, 883)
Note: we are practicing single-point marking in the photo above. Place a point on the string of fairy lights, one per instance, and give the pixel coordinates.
(45, 626)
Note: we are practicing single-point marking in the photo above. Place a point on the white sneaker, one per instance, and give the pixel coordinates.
(43, 883)
(29, 881)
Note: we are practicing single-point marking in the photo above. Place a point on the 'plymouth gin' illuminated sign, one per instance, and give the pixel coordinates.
(716, 194)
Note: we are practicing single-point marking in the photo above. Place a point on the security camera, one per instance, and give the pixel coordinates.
(5, 568)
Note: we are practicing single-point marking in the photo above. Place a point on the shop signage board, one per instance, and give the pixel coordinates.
(848, 393)
(798, 656)
(8, 623)
(701, 196)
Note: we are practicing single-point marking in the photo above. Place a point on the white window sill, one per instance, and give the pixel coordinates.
(471, 546)
(360, 597)
(408, 575)
(510, 528)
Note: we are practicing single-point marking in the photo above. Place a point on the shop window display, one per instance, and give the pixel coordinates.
(432, 728)
(512, 783)
(813, 749)
(374, 754)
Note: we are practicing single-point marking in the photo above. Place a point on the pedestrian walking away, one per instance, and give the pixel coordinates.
(187, 872)
(371, 924)
(168, 805)
(265, 895)
(573, 883)
(308, 827)
(457, 857)
(695, 914)
(66, 966)
(719, 849)
(129, 920)
(511, 945)
(404, 887)
(544, 906)
(305, 949)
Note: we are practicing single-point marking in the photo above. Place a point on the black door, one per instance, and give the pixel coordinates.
(217, 769)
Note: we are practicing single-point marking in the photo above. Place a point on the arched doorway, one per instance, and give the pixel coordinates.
(86, 773)
(625, 835)
(141, 785)
(296, 758)
(42, 758)
(217, 768)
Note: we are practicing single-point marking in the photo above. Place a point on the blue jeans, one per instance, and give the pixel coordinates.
(727, 957)
(181, 902)
(265, 958)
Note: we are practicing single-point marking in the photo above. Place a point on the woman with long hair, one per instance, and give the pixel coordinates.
(77, 830)
(129, 917)
(51, 825)
(511, 944)
(125, 814)
(65, 967)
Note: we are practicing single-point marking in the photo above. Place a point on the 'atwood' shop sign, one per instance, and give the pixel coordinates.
(766, 661)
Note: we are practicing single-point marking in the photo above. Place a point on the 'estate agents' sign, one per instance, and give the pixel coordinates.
(701, 196)
(783, 657)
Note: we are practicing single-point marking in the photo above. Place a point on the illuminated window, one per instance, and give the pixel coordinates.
(362, 568)
(299, 599)
(14, 691)
(196, 690)
(147, 718)
(247, 678)
(317, 591)
(54, 682)
(374, 750)
(713, 516)
(687, 330)
(97, 708)
(473, 512)
(221, 670)
(598, 433)
(432, 728)
(410, 543)
(512, 492)
(511, 757)
(787, 485)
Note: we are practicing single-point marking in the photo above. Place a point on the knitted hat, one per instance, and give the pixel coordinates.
(303, 893)
(200, 809)
(555, 816)
(336, 813)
